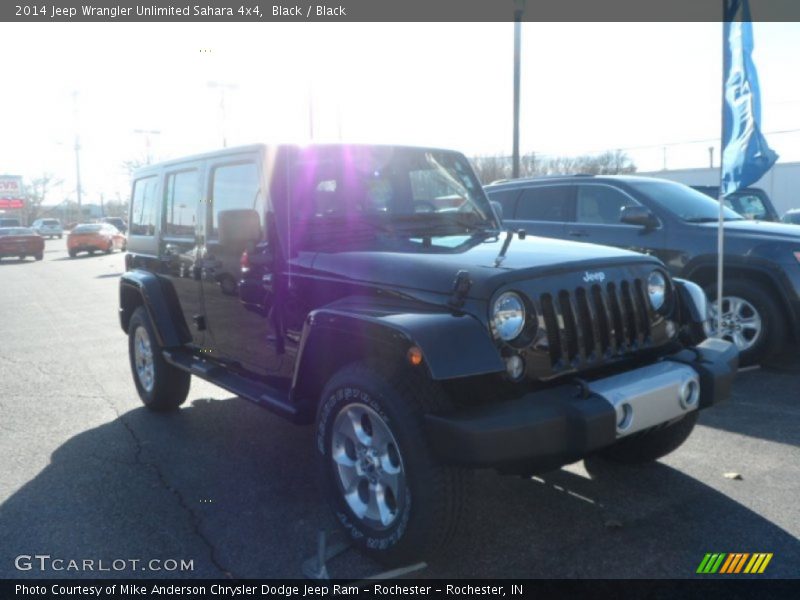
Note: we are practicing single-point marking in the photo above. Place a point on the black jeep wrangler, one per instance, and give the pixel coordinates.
(371, 291)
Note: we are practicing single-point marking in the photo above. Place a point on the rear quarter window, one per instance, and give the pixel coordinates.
(144, 206)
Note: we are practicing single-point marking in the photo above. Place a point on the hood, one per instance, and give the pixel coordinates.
(760, 229)
(434, 269)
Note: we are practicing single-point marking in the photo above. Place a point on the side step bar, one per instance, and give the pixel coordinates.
(259, 393)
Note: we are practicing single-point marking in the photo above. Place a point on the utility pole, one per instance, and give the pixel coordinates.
(711, 157)
(77, 153)
(222, 86)
(147, 133)
(518, 11)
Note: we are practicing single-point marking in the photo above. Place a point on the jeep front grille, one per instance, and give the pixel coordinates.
(595, 323)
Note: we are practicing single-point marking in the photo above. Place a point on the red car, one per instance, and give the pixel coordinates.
(21, 242)
(95, 237)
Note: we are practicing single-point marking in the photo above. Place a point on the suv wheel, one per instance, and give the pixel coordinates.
(750, 319)
(161, 386)
(393, 498)
(651, 445)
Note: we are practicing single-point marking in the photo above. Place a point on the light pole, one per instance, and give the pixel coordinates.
(222, 87)
(77, 152)
(147, 133)
(518, 11)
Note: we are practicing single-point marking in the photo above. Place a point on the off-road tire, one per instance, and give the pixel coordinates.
(648, 446)
(437, 495)
(773, 330)
(170, 385)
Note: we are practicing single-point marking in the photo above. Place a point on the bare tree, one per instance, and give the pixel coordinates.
(613, 162)
(36, 193)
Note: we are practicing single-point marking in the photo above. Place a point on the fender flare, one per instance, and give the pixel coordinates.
(142, 288)
(453, 345)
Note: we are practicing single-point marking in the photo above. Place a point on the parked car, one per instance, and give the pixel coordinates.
(48, 228)
(419, 338)
(95, 237)
(791, 216)
(21, 242)
(10, 222)
(117, 222)
(751, 203)
(761, 303)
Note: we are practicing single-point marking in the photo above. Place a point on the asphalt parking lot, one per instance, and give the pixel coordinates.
(87, 473)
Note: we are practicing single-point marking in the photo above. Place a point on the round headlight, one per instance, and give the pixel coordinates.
(508, 316)
(657, 289)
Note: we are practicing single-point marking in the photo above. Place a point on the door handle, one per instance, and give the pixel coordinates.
(577, 233)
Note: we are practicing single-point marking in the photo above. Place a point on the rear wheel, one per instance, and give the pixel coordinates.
(751, 320)
(161, 386)
(22, 257)
(73, 253)
(393, 498)
(39, 256)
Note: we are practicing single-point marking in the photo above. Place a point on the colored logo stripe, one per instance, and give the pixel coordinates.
(758, 563)
(732, 563)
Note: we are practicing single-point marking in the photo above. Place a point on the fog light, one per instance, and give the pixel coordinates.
(515, 367)
(624, 417)
(689, 393)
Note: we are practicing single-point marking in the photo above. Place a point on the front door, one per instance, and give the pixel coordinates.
(597, 220)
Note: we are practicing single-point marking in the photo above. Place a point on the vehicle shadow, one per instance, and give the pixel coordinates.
(765, 404)
(16, 261)
(234, 489)
(107, 275)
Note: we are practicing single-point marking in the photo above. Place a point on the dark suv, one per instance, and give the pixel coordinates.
(370, 291)
(761, 301)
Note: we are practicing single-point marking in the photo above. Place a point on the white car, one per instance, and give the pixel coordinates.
(48, 228)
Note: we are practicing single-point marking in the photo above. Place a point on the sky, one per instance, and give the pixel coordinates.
(586, 87)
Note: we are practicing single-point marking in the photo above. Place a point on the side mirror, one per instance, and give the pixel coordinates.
(238, 227)
(498, 209)
(638, 215)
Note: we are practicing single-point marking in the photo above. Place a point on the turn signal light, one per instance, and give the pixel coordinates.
(414, 356)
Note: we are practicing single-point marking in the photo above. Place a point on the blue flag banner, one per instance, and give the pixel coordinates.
(745, 153)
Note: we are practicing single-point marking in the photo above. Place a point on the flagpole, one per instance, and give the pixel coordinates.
(721, 195)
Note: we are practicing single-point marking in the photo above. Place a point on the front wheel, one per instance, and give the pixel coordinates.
(648, 446)
(161, 386)
(751, 320)
(39, 256)
(393, 498)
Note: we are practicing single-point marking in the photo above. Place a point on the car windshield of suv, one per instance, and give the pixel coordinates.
(684, 202)
(87, 229)
(354, 192)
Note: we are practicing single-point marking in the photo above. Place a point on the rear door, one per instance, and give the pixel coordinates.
(181, 232)
(239, 332)
(543, 210)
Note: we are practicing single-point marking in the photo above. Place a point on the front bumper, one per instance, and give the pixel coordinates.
(557, 426)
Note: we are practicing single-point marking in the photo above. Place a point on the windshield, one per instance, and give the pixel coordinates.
(15, 231)
(347, 192)
(682, 201)
(50, 222)
(87, 229)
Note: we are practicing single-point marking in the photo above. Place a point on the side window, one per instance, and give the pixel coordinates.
(749, 206)
(546, 203)
(181, 197)
(506, 198)
(600, 204)
(234, 186)
(143, 206)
